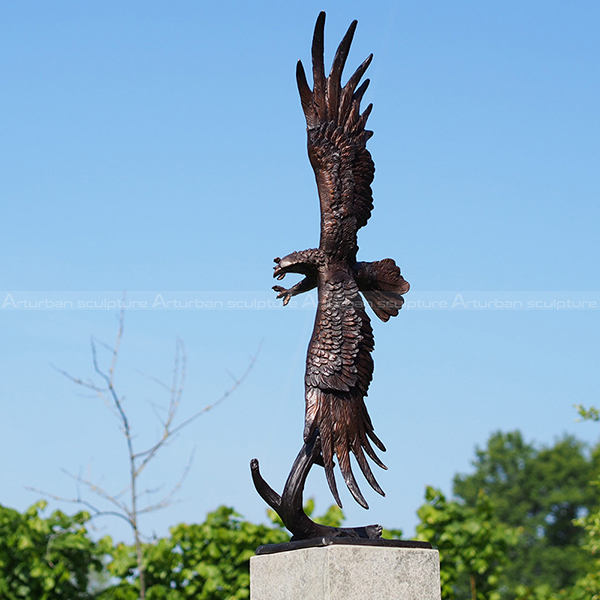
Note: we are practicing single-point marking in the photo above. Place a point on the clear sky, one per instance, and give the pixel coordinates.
(159, 147)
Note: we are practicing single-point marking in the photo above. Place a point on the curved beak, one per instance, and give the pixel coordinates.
(281, 268)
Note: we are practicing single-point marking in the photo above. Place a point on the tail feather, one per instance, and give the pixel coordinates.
(344, 428)
(326, 433)
(346, 469)
(369, 450)
(366, 469)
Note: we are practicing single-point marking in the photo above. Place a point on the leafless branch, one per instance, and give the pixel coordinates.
(119, 338)
(93, 487)
(78, 381)
(138, 461)
(150, 491)
(156, 380)
(224, 397)
(168, 499)
(97, 512)
(152, 451)
(103, 344)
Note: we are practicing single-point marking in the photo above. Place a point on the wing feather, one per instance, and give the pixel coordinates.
(319, 67)
(335, 76)
(349, 88)
(337, 138)
(306, 96)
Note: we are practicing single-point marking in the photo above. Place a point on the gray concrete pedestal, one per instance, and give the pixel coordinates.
(346, 572)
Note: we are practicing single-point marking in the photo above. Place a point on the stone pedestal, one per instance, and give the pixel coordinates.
(346, 572)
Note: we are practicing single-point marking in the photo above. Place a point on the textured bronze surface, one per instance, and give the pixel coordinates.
(339, 366)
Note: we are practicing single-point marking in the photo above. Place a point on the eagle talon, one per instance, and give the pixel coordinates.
(283, 293)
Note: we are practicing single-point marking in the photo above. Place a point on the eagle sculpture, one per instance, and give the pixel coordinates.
(339, 366)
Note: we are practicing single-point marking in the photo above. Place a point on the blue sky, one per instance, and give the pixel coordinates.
(155, 147)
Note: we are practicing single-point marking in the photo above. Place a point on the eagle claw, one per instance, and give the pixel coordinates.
(283, 293)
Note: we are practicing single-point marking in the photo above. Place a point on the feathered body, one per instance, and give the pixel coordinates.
(339, 366)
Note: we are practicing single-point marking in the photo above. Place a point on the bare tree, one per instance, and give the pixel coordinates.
(126, 502)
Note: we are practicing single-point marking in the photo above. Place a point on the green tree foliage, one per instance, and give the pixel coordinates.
(55, 559)
(207, 561)
(525, 526)
(543, 490)
(591, 582)
(472, 543)
(591, 524)
(46, 558)
(588, 414)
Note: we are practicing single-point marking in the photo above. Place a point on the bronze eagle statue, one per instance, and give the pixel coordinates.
(339, 366)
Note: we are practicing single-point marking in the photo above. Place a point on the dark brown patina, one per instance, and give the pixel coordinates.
(339, 366)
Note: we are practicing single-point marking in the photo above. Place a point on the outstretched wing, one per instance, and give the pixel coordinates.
(339, 369)
(337, 142)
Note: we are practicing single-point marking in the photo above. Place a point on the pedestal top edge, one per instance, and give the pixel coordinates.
(321, 542)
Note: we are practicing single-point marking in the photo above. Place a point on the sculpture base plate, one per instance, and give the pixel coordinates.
(320, 542)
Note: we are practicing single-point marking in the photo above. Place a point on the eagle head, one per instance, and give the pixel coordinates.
(305, 262)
